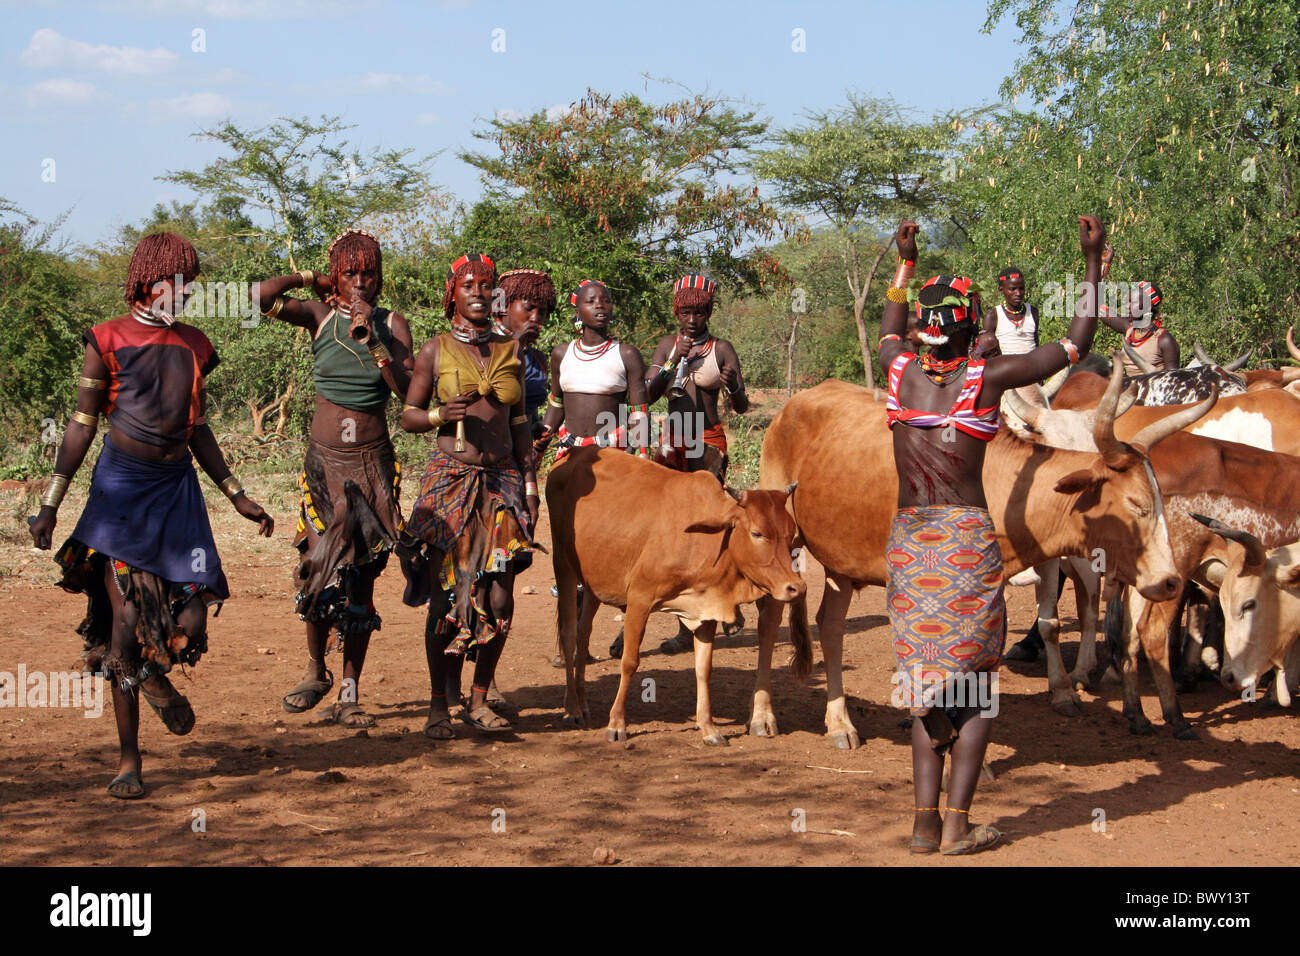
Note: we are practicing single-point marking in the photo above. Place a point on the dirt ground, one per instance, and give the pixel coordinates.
(275, 788)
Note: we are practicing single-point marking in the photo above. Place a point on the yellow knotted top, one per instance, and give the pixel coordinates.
(501, 377)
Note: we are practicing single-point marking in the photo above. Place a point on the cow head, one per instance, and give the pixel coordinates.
(1121, 485)
(1259, 591)
(760, 539)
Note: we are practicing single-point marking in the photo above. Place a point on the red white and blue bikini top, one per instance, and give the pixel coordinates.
(981, 423)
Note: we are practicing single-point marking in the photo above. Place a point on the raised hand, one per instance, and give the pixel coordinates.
(905, 239)
(1092, 236)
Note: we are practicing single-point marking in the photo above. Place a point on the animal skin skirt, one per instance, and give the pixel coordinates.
(945, 601)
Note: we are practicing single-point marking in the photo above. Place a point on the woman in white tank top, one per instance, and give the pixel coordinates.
(592, 377)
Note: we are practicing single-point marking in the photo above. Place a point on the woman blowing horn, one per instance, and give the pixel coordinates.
(349, 517)
(945, 570)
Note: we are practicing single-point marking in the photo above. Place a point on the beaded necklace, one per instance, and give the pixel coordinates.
(943, 371)
(1132, 336)
(1011, 315)
(585, 354)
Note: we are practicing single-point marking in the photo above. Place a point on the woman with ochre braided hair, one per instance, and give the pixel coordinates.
(143, 552)
(952, 624)
(362, 355)
(476, 510)
(591, 379)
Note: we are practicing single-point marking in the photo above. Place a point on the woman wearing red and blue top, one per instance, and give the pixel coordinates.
(143, 551)
(945, 570)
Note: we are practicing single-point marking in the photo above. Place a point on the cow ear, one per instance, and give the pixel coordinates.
(1288, 575)
(1082, 480)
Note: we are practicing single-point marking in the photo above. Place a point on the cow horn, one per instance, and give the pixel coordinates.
(731, 491)
(1162, 428)
(1290, 343)
(1202, 356)
(789, 489)
(1290, 375)
(1031, 415)
(1256, 553)
(1138, 360)
(1127, 399)
(1239, 361)
(1112, 451)
(1053, 384)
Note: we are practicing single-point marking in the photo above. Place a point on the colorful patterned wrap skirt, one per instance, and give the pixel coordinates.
(945, 601)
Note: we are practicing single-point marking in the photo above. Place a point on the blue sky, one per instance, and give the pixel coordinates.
(111, 91)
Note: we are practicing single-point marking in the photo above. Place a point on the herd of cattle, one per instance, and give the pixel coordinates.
(1146, 491)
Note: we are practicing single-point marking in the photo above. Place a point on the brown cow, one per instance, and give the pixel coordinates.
(644, 538)
(834, 441)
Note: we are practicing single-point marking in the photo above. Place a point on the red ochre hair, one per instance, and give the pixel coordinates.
(531, 284)
(474, 264)
(158, 257)
(693, 292)
(356, 249)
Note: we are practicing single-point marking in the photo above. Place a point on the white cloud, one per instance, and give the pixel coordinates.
(559, 111)
(48, 48)
(237, 9)
(427, 119)
(509, 115)
(190, 106)
(392, 84)
(56, 93)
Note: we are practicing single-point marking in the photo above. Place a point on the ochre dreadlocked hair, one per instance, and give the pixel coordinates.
(531, 284)
(358, 250)
(157, 257)
(474, 264)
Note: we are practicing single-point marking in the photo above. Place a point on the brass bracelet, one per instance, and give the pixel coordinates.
(553, 401)
(308, 278)
(435, 417)
(412, 408)
(519, 420)
(895, 294)
(275, 308)
(95, 383)
(55, 492)
(90, 421)
(379, 352)
(231, 486)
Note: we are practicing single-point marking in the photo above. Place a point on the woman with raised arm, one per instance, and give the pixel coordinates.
(1148, 345)
(477, 505)
(143, 552)
(362, 355)
(592, 378)
(945, 569)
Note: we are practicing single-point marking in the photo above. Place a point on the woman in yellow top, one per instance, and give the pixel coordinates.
(477, 502)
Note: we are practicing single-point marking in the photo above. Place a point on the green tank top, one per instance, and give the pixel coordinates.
(344, 371)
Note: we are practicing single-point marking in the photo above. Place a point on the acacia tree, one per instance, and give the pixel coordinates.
(859, 169)
(626, 191)
(273, 203)
(1181, 124)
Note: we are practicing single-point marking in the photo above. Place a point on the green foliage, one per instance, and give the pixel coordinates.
(627, 192)
(43, 300)
(1179, 124)
(861, 169)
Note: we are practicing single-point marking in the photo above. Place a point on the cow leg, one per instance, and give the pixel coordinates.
(1087, 588)
(1064, 701)
(1134, 606)
(762, 721)
(633, 631)
(830, 632)
(703, 668)
(1193, 645)
(566, 625)
(1160, 618)
(587, 608)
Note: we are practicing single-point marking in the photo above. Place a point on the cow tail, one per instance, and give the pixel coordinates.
(802, 659)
